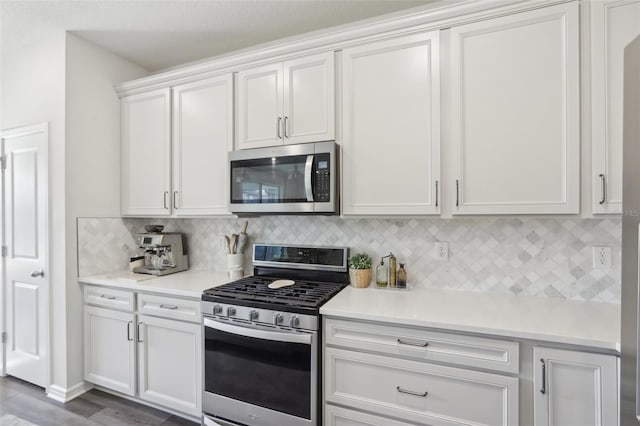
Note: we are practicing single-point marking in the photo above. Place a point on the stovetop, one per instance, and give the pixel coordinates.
(304, 296)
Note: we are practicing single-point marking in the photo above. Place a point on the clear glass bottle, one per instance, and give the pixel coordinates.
(382, 275)
(401, 277)
(392, 270)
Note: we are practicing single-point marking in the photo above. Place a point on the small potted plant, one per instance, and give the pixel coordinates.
(360, 270)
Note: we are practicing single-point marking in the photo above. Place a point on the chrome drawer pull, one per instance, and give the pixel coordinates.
(104, 296)
(172, 307)
(543, 390)
(406, 342)
(410, 392)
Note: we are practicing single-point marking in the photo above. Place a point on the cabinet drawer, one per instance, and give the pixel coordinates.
(109, 298)
(419, 392)
(338, 416)
(169, 307)
(427, 345)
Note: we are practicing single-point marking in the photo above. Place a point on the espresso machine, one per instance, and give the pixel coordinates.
(164, 253)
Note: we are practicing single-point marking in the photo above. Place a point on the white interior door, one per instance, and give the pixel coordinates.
(26, 262)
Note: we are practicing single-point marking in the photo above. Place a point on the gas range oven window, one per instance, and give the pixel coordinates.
(267, 373)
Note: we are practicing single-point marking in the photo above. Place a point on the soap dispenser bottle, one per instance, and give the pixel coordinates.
(382, 275)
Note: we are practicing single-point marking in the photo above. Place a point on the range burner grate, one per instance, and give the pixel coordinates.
(310, 294)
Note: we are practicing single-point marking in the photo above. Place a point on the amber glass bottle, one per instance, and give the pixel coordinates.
(401, 279)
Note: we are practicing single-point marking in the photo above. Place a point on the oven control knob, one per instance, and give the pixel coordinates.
(294, 321)
(231, 311)
(253, 314)
(217, 310)
(277, 319)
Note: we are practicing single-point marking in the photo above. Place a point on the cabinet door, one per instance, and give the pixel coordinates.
(260, 118)
(391, 122)
(170, 363)
(613, 25)
(146, 151)
(515, 118)
(309, 101)
(574, 388)
(202, 138)
(109, 349)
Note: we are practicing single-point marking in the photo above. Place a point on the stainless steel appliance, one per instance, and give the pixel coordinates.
(262, 352)
(163, 253)
(285, 179)
(629, 380)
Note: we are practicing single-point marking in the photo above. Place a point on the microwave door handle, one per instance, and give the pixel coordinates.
(258, 333)
(308, 168)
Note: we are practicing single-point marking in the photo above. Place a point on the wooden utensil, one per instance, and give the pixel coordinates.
(243, 238)
(228, 241)
(234, 243)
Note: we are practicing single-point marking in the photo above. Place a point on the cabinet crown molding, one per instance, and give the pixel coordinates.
(442, 15)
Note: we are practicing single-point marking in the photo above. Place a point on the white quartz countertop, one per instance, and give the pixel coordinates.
(591, 324)
(189, 283)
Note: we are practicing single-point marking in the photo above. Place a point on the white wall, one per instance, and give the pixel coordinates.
(54, 77)
(92, 161)
(32, 81)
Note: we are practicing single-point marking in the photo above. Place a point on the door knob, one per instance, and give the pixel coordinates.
(36, 274)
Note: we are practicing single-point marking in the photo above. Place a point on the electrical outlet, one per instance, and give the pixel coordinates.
(601, 257)
(441, 250)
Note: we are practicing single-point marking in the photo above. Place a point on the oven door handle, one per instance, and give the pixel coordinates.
(257, 333)
(308, 168)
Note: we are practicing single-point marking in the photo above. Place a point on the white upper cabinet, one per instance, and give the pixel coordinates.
(574, 388)
(284, 103)
(391, 127)
(146, 152)
(309, 99)
(202, 138)
(613, 25)
(183, 173)
(515, 117)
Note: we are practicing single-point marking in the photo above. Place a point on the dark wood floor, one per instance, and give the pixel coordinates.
(30, 403)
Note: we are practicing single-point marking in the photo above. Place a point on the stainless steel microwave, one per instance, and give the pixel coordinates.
(288, 179)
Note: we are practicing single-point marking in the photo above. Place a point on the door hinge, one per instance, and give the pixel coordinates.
(4, 251)
(4, 337)
(3, 162)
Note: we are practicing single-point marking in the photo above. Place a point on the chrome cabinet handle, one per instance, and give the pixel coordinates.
(409, 343)
(129, 331)
(436, 193)
(172, 307)
(175, 201)
(286, 127)
(164, 199)
(36, 274)
(139, 333)
(457, 193)
(603, 189)
(278, 128)
(410, 392)
(104, 296)
(543, 390)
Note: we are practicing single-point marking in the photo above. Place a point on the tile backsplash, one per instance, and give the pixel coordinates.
(546, 257)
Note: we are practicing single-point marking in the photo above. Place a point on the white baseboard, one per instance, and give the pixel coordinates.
(63, 395)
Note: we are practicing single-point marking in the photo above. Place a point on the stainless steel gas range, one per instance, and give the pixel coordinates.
(262, 352)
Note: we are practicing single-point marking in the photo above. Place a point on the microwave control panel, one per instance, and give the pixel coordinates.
(322, 185)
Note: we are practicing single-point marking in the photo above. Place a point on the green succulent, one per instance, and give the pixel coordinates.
(360, 261)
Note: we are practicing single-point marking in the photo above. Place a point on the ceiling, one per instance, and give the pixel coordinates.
(161, 34)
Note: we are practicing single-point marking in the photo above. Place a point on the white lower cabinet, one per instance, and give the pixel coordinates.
(405, 386)
(157, 358)
(168, 360)
(574, 388)
(109, 349)
(338, 416)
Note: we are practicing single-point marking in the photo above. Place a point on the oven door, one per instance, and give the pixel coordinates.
(259, 375)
